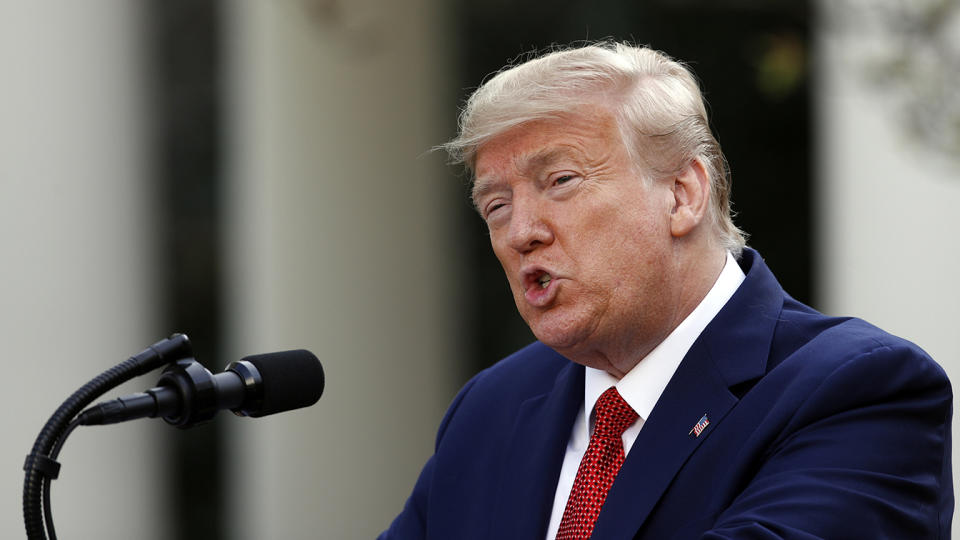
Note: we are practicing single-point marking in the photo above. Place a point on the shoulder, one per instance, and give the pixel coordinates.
(529, 371)
(830, 344)
(499, 390)
(823, 367)
(847, 420)
(815, 366)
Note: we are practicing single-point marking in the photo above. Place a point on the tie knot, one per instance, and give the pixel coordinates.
(613, 414)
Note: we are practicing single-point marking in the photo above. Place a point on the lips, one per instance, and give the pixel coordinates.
(540, 286)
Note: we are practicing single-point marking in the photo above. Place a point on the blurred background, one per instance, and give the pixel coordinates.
(258, 175)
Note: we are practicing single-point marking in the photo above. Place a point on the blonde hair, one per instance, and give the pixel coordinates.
(656, 101)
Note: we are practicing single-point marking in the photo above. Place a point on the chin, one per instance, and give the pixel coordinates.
(562, 338)
(563, 327)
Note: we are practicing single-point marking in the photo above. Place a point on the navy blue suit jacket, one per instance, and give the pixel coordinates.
(819, 428)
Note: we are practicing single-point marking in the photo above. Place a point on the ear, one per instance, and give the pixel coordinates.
(691, 197)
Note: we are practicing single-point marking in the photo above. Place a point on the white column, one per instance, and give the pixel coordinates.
(889, 208)
(340, 241)
(76, 278)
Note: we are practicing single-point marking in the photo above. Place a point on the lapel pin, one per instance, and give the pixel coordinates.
(700, 426)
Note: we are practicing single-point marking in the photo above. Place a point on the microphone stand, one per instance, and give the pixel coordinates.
(41, 465)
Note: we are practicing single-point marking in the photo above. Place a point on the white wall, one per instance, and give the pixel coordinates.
(339, 242)
(76, 266)
(889, 210)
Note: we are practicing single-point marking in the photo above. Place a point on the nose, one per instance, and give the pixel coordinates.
(528, 227)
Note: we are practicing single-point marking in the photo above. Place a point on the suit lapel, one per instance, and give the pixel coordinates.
(732, 349)
(534, 457)
(663, 446)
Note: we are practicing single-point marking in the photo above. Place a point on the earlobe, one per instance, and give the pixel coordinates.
(691, 195)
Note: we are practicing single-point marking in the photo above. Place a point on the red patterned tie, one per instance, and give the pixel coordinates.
(598, 467)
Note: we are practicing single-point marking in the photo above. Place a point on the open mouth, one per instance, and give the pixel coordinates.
(538, 280)
(540, 288)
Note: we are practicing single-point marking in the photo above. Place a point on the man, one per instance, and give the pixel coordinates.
(675, 390)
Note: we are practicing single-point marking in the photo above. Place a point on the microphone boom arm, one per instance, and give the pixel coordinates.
(40, 468)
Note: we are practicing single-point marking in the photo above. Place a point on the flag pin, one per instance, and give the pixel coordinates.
(700, 426)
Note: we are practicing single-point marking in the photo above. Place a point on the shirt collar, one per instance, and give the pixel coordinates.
(642, 386)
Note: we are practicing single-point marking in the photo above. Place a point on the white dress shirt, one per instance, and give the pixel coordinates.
(642, 386)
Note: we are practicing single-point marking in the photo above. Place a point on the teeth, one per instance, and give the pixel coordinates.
(544, 281)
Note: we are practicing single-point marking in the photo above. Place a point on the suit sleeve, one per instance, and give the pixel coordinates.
(867, 455)
(411, 524)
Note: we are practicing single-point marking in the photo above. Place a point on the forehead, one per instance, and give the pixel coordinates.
(525, 149)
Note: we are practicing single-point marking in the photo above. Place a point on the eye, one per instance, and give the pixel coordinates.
(563, 179)
(492, 207)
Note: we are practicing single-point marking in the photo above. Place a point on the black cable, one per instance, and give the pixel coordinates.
(47, 512)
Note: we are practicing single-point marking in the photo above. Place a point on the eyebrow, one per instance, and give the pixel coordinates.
(536, 161)
(546, 157)
(480, 189)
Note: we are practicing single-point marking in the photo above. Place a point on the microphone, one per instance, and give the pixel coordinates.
(187, 394)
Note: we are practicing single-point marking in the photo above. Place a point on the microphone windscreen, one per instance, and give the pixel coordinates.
(291, 380)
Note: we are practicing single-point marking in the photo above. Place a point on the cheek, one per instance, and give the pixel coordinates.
(631, 259)
(624, 235)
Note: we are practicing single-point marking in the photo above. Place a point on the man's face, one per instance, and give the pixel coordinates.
(584, 241)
